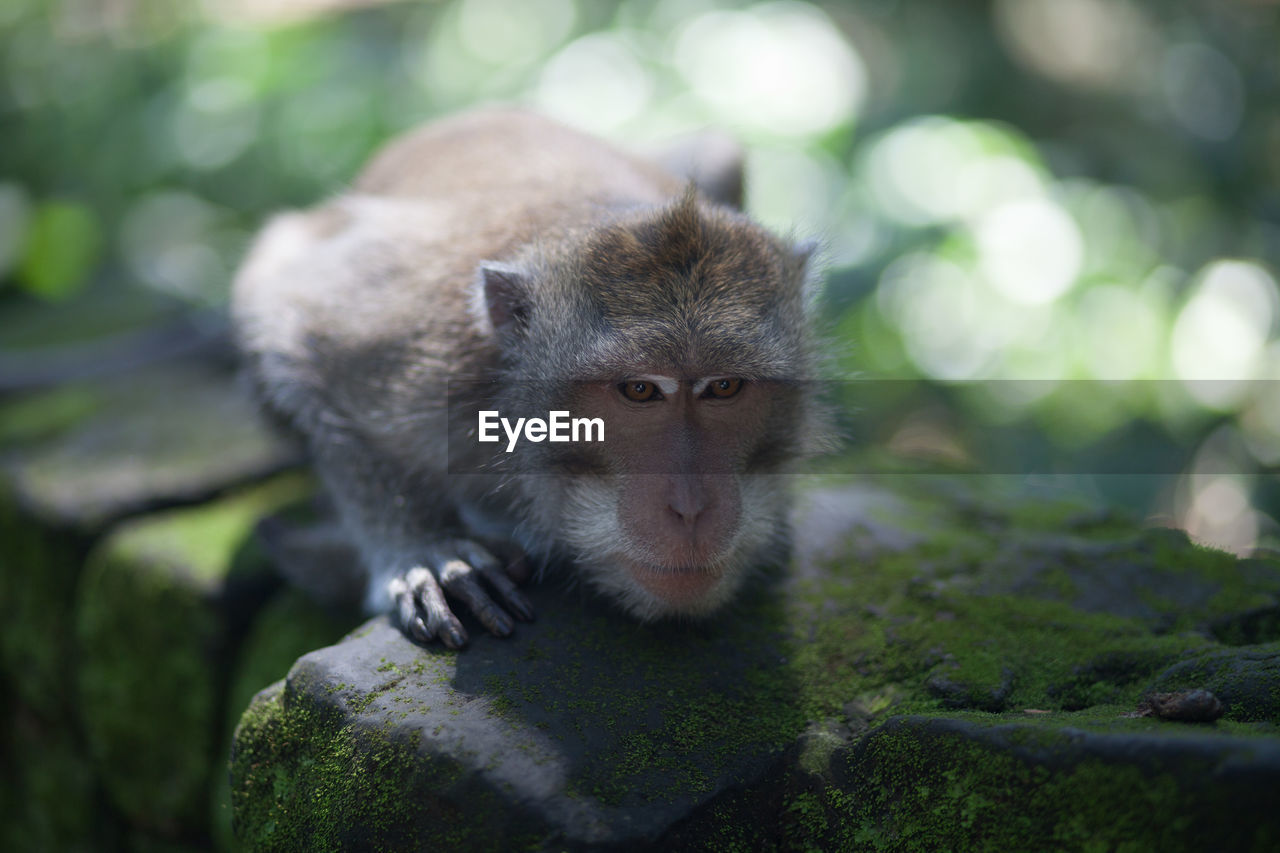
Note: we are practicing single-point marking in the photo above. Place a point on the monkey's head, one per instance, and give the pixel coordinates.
(686, 331)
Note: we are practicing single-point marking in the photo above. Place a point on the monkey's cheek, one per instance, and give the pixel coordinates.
(683, 591)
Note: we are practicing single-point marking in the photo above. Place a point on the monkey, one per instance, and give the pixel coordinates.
(498, 261)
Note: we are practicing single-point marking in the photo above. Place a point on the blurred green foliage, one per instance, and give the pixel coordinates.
(1018, 189)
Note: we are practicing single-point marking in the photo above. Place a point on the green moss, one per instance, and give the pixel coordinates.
(150, 635)
(145, 686)
(350, 784)
(926, 788)
(203, 542)
(1237, 592)
(680, 711)
(1246, 679)
(817, 747)
(37, 591)
(42, 415)
(48, 795)
(289, 626)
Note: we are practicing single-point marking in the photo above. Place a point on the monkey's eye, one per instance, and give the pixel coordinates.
(723, 388)
(640, 391)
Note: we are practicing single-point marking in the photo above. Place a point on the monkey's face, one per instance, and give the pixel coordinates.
(685, 331)
(676, 505)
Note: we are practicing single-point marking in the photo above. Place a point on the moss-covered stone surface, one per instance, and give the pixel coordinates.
(48, 793)
(76, 458)
(38, 571)
(77, 670)
(288, 626)
(947, 665)
(85, 455)
(152, 633)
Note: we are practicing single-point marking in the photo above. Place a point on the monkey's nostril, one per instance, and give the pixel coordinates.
(687, 499)
(686, 515)
(687, 508)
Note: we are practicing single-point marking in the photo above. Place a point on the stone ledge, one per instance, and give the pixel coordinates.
(839, 705)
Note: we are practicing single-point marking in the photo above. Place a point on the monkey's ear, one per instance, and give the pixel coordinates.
(802, 251)
(802, 258)
(505, 290)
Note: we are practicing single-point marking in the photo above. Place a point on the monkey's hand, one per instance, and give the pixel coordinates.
(456, 567)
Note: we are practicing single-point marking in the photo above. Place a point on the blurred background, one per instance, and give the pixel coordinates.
(1065, 191)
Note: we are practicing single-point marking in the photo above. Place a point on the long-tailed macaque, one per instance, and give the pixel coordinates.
(500, 262)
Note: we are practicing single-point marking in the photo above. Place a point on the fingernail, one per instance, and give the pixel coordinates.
(522, 607)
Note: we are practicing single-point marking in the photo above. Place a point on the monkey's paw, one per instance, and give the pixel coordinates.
(455, 567)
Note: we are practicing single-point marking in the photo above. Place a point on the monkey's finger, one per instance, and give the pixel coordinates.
(519, 567)
(406, 611)
(459, 579)
(515, 562)
(493, 573)
(431, 610)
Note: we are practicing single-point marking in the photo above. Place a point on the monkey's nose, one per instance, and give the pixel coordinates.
(687, 500)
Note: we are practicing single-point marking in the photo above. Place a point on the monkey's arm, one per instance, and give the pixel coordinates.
(400, 527)
(327, 307)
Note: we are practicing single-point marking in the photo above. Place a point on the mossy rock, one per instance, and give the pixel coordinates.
(1063, 782)
(49, 798)
(169, 434)
(1246, 679)
(38, 571)
(156, 609)
(287, 627)
(76, 458)
(941, 599)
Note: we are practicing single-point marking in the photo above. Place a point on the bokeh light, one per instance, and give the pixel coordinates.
(1030, 251)
(13, 225)
(1203, 90)
(776, 68)
(1059, 191)
(170, 242)
(597, 82)
(1218, 339)
(1093, 43)
(514, 32)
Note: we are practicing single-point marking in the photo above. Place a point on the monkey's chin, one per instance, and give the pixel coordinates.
(687, 590)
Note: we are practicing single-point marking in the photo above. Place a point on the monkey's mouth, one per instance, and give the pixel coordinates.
(683, 588)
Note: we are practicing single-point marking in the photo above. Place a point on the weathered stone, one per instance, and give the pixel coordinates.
(1188, 706)
(104, 332)
(506, 743)
(960, 695)
(287, 627)
(1059, 782)
(780, 722)
(169, 434)
(156, 608)
(74, 459)
(1246, 679)
(38, 571)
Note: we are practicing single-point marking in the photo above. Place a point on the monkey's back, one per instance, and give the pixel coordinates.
(357, 312)
(510, 157)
